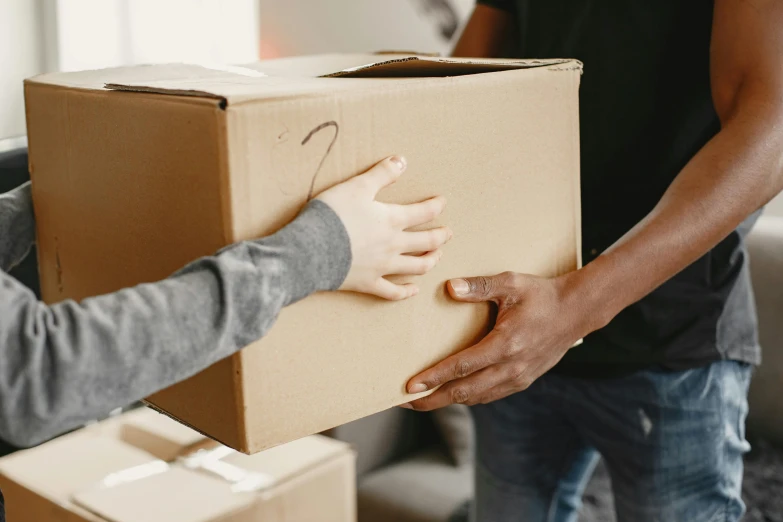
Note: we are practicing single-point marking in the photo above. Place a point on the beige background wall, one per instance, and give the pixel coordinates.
(776, 207)
(21, 55)
(47, 35)
(290, 27)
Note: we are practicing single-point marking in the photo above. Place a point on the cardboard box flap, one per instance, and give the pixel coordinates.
(178, 494)
(139, 74)
(285, 462)
(313, 75)
(394, 65)
(204, 487)
(232, 89)
(222, 84)
(74, 461)
(161, 436)
(430, 66)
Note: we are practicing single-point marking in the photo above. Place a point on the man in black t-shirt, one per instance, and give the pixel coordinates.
(682, 145)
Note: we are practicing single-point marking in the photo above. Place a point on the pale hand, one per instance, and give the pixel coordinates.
(381, 244)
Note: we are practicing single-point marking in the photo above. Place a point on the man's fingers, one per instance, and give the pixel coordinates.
(425, 241)
(480, 289)
(468, 391)
(457, 366)
(383, 174)
(393, 292)
(415, 265)
(499, 392)
(419, 213)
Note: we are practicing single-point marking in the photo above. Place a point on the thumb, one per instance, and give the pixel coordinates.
(384, 173)
(478, 289)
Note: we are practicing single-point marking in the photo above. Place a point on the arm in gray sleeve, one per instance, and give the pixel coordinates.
(17, 226)
(65, 364)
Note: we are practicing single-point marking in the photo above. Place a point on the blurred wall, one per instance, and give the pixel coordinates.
(291, 27)
(776, 207)
(109, 33)
(21, 55)
(48, 35)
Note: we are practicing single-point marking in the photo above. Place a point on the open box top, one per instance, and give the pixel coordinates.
(288, 77)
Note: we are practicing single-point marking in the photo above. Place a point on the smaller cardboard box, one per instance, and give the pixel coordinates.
(164, 439)
(112, 472)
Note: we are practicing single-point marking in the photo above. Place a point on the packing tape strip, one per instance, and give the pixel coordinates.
(241, 480)
(204, 460)
(135, 473)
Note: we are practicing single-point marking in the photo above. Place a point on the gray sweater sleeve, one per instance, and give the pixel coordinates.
(65, 364)
(17, 226)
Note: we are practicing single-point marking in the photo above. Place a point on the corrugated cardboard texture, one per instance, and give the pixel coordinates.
(310, 480)
(285, 462)
(323, 493)
(302, 499)
(83, 152)
(151, 181)
(162, 437)
(179, 494)
(38, 483)
(25, 505)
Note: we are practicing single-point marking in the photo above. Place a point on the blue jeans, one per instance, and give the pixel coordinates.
(672, 441)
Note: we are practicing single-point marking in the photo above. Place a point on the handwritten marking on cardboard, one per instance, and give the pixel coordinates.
(312, 133)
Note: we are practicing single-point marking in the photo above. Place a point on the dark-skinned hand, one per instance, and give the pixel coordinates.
(538, 321)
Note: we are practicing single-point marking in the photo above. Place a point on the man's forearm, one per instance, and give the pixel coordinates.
(485, 35)
(735, 174)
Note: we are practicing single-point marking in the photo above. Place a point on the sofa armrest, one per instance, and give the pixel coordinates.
(426, 487)
(765, 245)
(386, 437)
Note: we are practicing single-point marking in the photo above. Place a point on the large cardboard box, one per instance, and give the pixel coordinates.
(99, 474)
(138, 171)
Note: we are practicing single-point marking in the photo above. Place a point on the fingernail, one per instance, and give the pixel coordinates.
(399, 162)
(460, 286)
(407, 406)
(417, 388)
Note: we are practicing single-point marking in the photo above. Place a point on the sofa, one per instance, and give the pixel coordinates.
(405, 470)
(766, 390)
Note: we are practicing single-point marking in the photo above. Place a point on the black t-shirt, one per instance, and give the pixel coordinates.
(645, 109)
